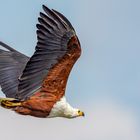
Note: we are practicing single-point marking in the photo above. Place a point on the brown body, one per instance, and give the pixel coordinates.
(53, 87)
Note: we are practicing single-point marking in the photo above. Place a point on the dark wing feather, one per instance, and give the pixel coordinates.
(12, 64)
(54, 32)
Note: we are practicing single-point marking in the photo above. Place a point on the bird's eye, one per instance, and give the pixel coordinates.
(79, 111)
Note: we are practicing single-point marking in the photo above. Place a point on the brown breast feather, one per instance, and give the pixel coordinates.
(54, 84)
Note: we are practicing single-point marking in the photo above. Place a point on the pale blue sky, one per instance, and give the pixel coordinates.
(109, 31)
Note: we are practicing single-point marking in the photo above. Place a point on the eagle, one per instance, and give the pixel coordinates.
(36, 86)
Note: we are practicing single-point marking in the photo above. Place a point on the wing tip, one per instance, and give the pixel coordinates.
(45, 8)
(57, 16)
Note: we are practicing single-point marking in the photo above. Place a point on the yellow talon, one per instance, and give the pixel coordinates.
(9, 102)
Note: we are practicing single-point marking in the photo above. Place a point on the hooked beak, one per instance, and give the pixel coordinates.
(81, 114)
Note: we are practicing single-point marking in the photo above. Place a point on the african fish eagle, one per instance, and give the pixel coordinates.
(36, 86)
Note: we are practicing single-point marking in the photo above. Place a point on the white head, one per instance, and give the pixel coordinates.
(73, 113)
(63, 109)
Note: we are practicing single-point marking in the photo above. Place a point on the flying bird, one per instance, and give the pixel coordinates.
(36, 86)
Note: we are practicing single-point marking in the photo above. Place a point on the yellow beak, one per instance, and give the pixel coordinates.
(81, 113)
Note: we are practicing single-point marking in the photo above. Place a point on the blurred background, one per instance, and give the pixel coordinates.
(104, 83)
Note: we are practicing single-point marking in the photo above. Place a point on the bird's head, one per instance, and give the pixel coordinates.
(76, 113)
(73, 113)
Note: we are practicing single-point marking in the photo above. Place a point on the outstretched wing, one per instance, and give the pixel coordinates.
(12, 64)
(57, 50)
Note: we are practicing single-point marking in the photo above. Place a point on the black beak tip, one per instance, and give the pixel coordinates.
(83, 114)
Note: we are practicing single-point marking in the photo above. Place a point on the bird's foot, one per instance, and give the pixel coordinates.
(9, 103)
